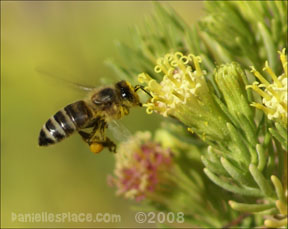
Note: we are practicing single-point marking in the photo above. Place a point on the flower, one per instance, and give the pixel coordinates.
(274, 102)
(184, 94)
(230, 79)
(141, 165)
(178, 85)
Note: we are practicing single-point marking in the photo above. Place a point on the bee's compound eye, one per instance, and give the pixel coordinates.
(125, 93)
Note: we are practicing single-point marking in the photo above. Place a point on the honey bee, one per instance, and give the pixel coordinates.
(90, 117)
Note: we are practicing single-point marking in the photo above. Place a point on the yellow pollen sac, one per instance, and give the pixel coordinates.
(96, 148)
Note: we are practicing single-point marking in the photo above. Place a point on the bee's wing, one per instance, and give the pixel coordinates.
(118, 130)
(105, 95)
(47, 73)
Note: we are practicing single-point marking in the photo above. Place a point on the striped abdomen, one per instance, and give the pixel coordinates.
(64, 123)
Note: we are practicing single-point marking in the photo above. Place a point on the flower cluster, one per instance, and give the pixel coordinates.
(274, 102)
(184, 94)
(178, 85)
(141, 166)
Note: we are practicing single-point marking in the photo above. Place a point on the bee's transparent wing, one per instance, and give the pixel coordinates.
(47, 73)
(119, 131)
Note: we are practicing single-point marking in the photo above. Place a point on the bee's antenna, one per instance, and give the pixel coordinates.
(137, 87)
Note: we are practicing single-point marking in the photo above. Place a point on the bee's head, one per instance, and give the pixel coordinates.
(127, 93)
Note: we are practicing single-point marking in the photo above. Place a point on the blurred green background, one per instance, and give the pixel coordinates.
(71, 40)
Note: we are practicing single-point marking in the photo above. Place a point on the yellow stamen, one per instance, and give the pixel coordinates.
(184, 59)
(178, 55)
(181, 65)
(189, 79)
(178, 95)
(156, 98)
(143, 77)
(171, 77)
(177, 61)
(151, 107)
(196, 61)
(160, 65)
(265, 109)
(260, 92)
(157, 69)
(273, 93)
(272, 74)
(167, 60)
(259, 76)
(155, 87)
(169, 57)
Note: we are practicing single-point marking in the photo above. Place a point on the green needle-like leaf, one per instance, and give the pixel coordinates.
(238, 140)
(250, 207)
(262, 157)
(277, 135)
(212, 166)
(232, 188)
(236, 173)
(278, 188)
(269, 45)
(261, 181)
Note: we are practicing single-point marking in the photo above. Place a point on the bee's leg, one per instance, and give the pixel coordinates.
(97, 135)
(106, 141)
(85, 136)
(110, 145)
